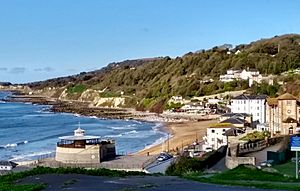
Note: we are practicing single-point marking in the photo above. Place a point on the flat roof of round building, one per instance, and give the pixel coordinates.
(77, 138)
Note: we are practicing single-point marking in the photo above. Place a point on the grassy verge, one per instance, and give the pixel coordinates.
(8, 186)
(286, 168)
(251, 177)
(7, 181)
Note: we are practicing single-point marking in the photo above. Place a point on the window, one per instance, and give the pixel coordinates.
(257, 108)
(224, 130)
(288, 102)
(212, 139)
(257, 114)
(245, 102)
(258, 101)
(213, 131)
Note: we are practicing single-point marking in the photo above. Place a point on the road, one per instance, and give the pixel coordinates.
(76, 182)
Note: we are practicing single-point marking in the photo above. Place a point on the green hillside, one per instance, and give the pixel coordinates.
(185, 75)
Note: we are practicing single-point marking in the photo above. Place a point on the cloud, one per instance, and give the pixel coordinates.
(46, 69)
(3, 69)
(17, 70)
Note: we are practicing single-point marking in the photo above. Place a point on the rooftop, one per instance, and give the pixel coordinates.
(236, 114)
(79, 134)
(287, 96)
(244, 96)
(222, 125)
(233, 132)
(8, 163)
(234, 120)
(78, 138)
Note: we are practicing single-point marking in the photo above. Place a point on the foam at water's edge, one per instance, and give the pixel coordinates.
(31, 156)
(159, 128)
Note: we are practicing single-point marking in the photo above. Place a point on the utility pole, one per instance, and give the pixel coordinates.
(168, 142)
(297, 168)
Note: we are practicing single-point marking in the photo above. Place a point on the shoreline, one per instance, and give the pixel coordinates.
(181, 135)
(180, 131)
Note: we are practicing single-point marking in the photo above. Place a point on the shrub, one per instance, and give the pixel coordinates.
(76, 89)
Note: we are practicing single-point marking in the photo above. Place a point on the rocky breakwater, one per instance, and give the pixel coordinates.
(30, 99)
(84, 108)
(76, 107)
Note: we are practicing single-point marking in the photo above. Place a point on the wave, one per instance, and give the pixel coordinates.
(34, 155)
(131, 126)
(122, 134)
(159, 128)
(11, 145)
(157, 142)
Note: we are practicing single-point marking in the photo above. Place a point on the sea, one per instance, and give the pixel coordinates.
(30, 132)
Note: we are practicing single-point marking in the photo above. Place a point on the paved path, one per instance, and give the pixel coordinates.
(159, 167)
(77, 182)
(262, 155)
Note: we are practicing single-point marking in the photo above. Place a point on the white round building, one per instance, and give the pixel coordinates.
(83, 149)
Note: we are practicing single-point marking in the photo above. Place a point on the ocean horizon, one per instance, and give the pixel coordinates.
(30, 132)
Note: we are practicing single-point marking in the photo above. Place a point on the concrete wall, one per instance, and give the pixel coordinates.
(90, 154)
(232, 162)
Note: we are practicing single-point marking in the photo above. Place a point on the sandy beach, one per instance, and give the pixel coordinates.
(181, 134)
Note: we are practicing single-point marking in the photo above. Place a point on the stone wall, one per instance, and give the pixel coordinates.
(232, 162)
(233, 159)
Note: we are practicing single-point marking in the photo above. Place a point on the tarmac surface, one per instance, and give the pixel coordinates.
(77, 182)
(261, 156)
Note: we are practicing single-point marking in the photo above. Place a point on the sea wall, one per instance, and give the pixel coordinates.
(90, 154)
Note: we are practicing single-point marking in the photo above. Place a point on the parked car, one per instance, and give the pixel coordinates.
(267, 163)
(163, 156)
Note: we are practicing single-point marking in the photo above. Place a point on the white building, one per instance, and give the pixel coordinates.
(193, 108)
(7, 165)
(252, 75)
(215, 137)
(250, 104)
(222, 134)
(230, 75)
(227, 78)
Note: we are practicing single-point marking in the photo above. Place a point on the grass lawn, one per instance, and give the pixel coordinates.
(288, 168)
(8, 186)
(252, 177)
(7, 182)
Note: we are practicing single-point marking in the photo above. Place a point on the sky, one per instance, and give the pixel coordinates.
(46, 39)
